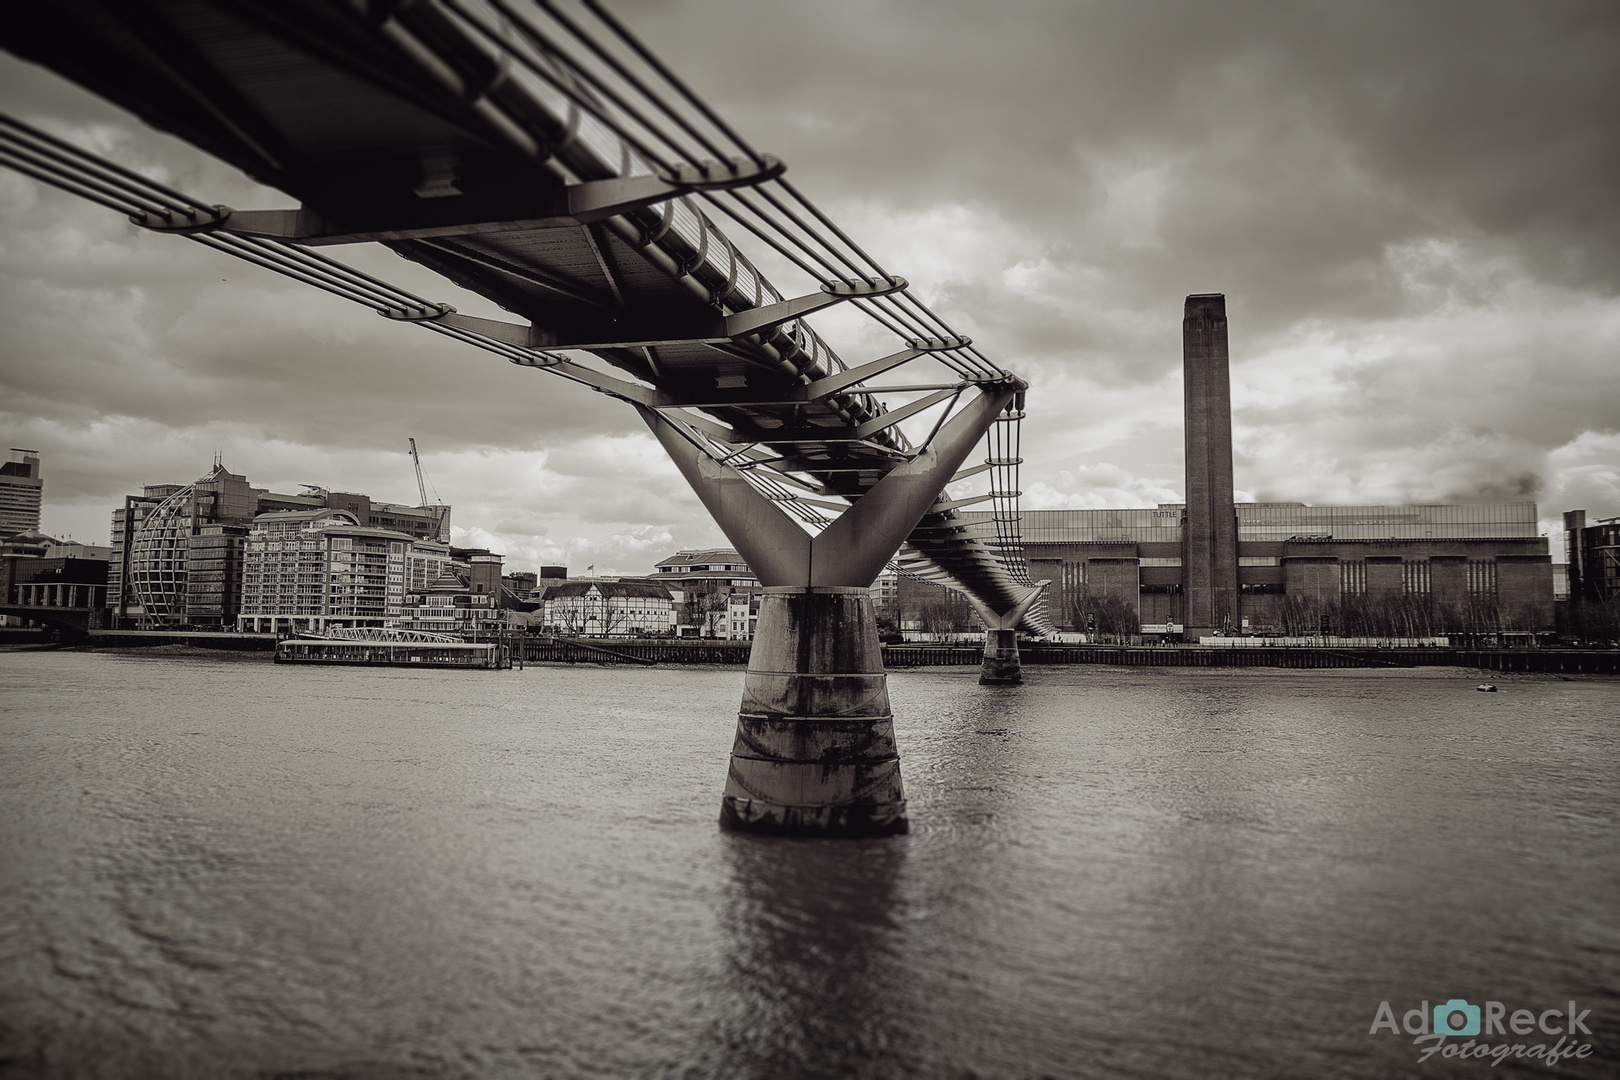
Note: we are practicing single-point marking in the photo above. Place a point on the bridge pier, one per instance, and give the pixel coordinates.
(1001, 666)
(814, 753)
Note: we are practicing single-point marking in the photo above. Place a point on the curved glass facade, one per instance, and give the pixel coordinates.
(157, 561)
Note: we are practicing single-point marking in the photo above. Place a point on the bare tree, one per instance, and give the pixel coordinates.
(614, 615)
(1112, 617)
(943, 612)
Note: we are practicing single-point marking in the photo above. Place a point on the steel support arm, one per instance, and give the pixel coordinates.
(775, 548)
(843, 379)
(762, 318)
(957, 504)
(1009, 619)
(854, 549)
(708, 328)
(575, 204)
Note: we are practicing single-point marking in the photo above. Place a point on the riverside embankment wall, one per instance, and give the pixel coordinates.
(1558, 661)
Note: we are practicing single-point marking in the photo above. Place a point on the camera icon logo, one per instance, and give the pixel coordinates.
(1456, 1017)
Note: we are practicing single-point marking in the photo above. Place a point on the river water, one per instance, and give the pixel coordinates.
(217, 867)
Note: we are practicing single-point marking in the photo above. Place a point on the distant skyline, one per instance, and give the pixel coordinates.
(1409, 208)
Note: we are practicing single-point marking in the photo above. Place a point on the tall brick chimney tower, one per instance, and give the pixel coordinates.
(1209, 530)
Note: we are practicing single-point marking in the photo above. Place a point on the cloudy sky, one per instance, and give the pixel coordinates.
(1412, 210)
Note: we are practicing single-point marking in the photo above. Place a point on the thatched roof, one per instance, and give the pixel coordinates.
(642, 589)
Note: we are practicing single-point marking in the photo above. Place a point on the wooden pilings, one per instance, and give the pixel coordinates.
(570, 651)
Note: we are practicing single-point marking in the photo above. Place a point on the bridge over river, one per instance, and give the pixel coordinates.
(546, 159)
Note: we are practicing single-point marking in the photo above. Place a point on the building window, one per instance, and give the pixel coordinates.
(1247, 560)
(1481, 577)
(1353, 577)
(1415, 577)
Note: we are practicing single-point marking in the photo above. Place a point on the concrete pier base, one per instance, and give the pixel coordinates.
(815, 753)
(1001, 666)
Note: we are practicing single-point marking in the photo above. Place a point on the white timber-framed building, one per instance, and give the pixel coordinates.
(610, 609)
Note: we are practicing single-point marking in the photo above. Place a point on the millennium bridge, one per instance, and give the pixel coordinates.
(543, 157)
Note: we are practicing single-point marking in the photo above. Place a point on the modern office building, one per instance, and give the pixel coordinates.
(150, 540)
(1592, 553)
(319, 569)
(152, 537)
(214, 556)
(155, 533)
(21, 493)
(316, 570)
(421, 522)
(1212, 566)
(1591, 612)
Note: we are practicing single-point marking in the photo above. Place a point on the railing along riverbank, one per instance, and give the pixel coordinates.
(1554, 661)
(527, 648)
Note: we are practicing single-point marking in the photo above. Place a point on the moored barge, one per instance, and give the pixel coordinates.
(391, 648)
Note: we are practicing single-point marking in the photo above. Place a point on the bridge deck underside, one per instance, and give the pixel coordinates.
(412, 131)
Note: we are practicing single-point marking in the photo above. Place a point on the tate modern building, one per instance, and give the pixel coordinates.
(1212, 566)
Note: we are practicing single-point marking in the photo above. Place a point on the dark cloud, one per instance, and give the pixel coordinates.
(1308, 122)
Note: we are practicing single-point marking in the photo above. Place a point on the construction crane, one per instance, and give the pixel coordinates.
(421, 487)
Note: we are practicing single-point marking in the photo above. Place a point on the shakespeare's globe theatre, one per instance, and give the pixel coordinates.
(157, 561)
